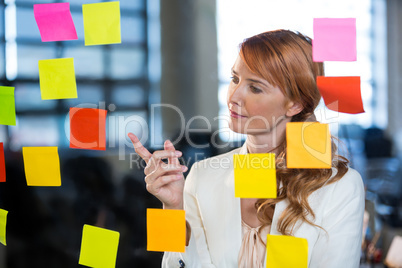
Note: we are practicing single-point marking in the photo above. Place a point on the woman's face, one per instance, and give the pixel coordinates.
(255, 106)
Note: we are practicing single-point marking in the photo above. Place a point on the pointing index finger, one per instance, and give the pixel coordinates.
(139, 148)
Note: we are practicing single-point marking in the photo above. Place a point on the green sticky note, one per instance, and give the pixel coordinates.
(3, 224)
(102, 23)
(255, 175)
(7, 106)
(286, 251)
(42, 166)
(99, 247)
(57, 79)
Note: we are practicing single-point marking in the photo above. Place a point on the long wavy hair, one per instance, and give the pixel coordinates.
(284, 59)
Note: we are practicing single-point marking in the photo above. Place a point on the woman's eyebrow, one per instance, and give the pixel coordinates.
(253, 80)
(257, 81)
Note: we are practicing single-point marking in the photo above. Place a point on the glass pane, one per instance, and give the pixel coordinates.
(132, 4)
(34, 131)
(127, 63)
(2, 61)
(87, 96)
(126, 4)
(78, 22)
(87, 61)
(132, 96)
(26, 24)
(132, 29)
(80, 2)
(28, 97)
(121, 123)
(1, 20)
(28, 57)
(31, 1)
(3, 135)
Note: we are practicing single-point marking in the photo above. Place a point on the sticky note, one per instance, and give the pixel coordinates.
(254, 175)
(98, 247)
(2, 164)
(3, 225)
(341, 94)
(7, 106)
(57, 79)
(166, 230)
(42, 166)
(308, 145)
(286, 252)
(55, 22)
(334, 39)
(88, 128)
(101, 23)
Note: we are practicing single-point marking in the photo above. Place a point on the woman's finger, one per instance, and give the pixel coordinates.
(139, 148)
(153, 188)
(156, 159)
(169, 147)
(164, 170)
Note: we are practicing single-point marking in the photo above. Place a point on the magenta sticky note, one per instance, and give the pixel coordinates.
(55, 22)
(334, 39)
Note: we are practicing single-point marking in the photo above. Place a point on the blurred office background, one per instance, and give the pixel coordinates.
(170, 74)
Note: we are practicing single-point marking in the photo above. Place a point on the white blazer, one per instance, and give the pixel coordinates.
(214, 215)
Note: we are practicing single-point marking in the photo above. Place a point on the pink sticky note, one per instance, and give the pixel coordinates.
(334, 39)
(55, 22)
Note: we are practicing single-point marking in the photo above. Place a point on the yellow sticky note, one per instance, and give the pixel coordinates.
(166, 230)
(308, 145)
(57, 79)
(102, 23)
(99, 247)
(255, 175)
(286, 252)
(42, 166)
(3, 224)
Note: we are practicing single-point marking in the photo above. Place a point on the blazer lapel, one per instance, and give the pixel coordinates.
(232, 212)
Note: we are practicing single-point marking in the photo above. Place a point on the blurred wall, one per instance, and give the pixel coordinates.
(189, 63)
(394, 38)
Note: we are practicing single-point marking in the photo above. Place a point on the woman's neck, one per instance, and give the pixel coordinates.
(266, 142)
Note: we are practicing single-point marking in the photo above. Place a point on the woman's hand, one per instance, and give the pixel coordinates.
(164, 181)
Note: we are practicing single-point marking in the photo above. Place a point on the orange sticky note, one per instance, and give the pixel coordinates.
(286, 252)
(255, 175)
(308, 145)
(3, 225)
(88, 128)
(341, 94)
(2, 164)
(98, 247)
(42, 166)
(166, 230)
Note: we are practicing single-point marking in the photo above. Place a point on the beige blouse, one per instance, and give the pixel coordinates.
(253, 247)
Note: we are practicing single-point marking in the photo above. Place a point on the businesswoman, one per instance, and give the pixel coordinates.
(273, 83)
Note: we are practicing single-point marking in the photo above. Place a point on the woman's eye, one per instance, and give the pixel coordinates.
(234, 79)
(255, 90)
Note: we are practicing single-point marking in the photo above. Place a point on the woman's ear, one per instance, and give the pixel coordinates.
(293, 108)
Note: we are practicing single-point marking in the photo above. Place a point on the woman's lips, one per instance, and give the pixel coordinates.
(235, 115)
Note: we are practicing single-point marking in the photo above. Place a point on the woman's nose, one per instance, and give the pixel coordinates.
(235, 94)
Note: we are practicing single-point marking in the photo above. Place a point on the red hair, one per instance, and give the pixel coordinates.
(284, 59)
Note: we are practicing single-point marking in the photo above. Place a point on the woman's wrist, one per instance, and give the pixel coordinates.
(178, 207)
